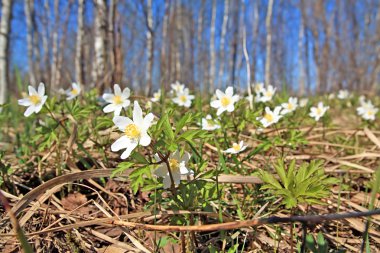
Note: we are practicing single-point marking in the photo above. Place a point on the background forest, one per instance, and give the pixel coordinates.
(307, 46)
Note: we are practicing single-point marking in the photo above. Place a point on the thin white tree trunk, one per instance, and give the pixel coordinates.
(212, 48)
(29, 38)
(222, 42)
(6, 14)
(45, 42)
(54, 69)
(268, 42)
(100, 44)
(149, 48)
(248, 67)
(301, 68)
(79, 44)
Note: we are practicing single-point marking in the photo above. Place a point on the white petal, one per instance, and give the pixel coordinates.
(147, 122)
(29, 111)
(126, 103)
(109, 108)
(121, 143)
(32, 90)
(128, 151)
(145, 140)
(41, 89)
(230, 91)
(38, 107)
(24, 102)
(126, 93)
(121, 122)
(117, 111)
(215, 104)
(230, 108)
(219, 94)
(117, 90)
(167, 183)
(108, 97)
(137, 114)
(220, 111)
(161, 171)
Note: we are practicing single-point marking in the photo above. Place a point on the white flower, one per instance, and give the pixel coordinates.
(35, 100)
(73, 92)
(183, 98)
(318, 112)
(267, 94)
(177, 87)
(209, 124)
(331, 96)
(303, 102)
(236, 148)
(270, 117)
(290, 106)
(259, 88)
(177, 167)
(156, 96)
(135, 131)
(117, 101)
(370, 113)
(343, 94)
(367, 110)
(225, 101)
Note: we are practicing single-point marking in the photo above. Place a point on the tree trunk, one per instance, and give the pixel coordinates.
(212, 48)
(6, 16)
(268, 42)
(235, 42)
(100, 43)
(79, 45)
(29, 37)
(301, 35)
(149, 47)
(222, 42)
(54, 69)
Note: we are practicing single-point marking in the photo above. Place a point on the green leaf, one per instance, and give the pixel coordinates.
(121, 168)
(139, 158)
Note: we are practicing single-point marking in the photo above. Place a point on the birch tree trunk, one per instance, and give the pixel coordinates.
(29, 38)
(54, 69)
(222, 42)
(79, 44)
(268, 42)
(164, 64)
(111, 42)
(45, 43)
(301, 36)
(149, 48)
(100, 44)
(212, 48)
(6, 16)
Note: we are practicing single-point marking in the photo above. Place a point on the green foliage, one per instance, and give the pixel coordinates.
(296, 185)
(320, 245)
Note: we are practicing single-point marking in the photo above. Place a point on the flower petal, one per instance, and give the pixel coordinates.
(145, 140)
(41, 89)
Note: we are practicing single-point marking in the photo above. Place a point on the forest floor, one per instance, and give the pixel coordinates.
(77, 207)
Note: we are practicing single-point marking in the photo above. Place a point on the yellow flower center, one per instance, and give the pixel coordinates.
(268, 117)
(74, 92)
(35, 99)
(268, 94)
(132, 131)
(117, 100)
(370, 113)
(319, 111)
(225, 101)
(174, 165)
(290, 106)
(183, 98)
(236, 147)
